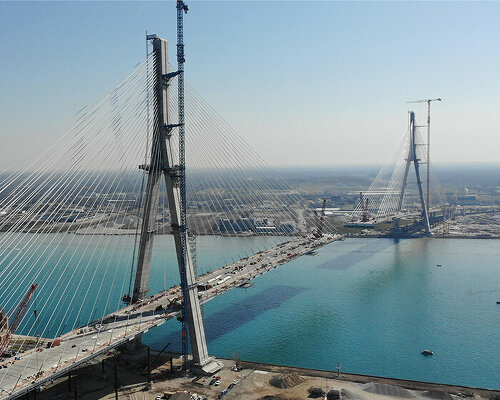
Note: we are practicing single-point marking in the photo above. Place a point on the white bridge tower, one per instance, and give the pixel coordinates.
(412, 157)
(161, 166)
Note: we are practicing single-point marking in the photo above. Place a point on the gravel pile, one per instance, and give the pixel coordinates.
(437, 394)
(386, 390)
(348, 395)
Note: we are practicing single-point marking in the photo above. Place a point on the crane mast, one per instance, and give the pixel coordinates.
(182, 9)
(428, 101)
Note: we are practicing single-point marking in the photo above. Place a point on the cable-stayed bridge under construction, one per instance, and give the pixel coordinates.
(390, 198)
(119, 171)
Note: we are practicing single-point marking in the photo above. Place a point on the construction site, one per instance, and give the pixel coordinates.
(122, 171)
(129, 376)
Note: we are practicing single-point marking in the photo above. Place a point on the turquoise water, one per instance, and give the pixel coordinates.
(370, 304)
(81, 278)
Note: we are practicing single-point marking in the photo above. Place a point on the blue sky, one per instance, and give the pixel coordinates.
(305, 83)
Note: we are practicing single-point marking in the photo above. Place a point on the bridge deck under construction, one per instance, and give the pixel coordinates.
(25, 373)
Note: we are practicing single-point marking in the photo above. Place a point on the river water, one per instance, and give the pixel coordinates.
(370, 304)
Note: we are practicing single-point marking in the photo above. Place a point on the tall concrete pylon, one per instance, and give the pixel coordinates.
(412, 157)
(161, 164)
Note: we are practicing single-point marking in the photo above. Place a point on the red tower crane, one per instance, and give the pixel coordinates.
(17, 318)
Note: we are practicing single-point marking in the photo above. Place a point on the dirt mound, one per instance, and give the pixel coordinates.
(437, 394)
(348, 395)
(386, 390)
(286, 381)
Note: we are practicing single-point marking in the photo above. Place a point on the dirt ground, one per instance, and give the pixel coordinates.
(97, 381)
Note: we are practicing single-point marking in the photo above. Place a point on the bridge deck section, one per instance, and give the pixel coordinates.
(40, 365)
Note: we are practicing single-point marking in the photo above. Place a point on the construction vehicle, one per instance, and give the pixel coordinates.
(17, 318)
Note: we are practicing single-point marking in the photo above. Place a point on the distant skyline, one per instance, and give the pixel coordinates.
(304, 83)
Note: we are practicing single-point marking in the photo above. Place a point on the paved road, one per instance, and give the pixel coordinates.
(40, 365)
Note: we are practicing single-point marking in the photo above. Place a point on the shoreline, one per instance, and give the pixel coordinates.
(252, 381)
(420, 237)
(362, 378)
(347, 236)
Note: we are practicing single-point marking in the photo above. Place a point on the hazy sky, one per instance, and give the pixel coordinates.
(305, 83)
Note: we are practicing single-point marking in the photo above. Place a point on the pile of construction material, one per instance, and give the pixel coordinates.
(437, 394)
(286, 381)
(387, 390)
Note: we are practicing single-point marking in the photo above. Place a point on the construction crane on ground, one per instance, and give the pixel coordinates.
(428, 101)
(364, 206)
(17, 318)
(320, 222)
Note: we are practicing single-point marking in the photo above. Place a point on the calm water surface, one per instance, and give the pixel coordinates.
(370, 304)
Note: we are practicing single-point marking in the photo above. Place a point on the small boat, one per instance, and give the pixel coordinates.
(311, 253)
(426, 352)
(439, 265)
(498, 302)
